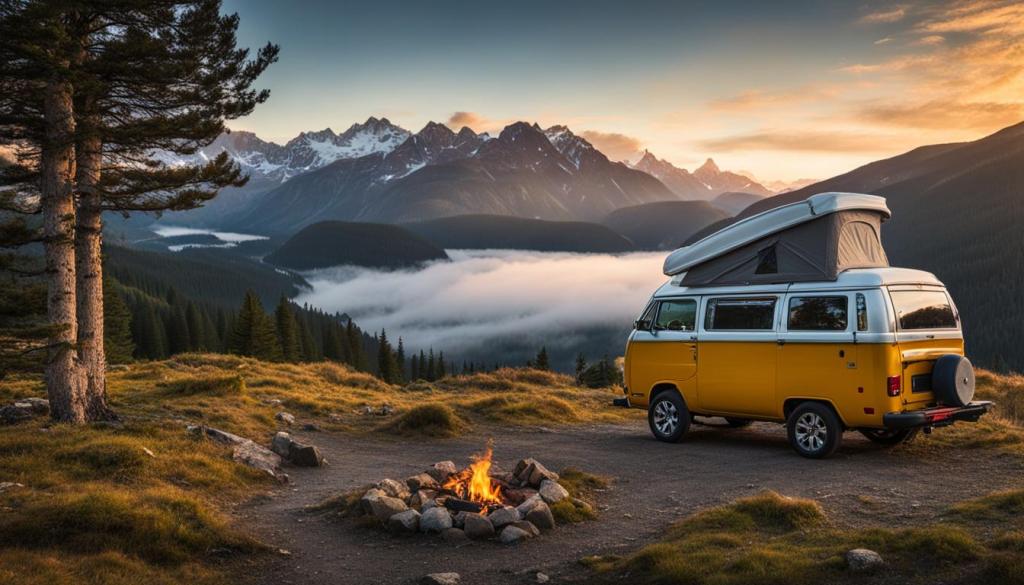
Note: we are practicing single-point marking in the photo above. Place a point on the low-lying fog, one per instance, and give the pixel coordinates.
(499, 305)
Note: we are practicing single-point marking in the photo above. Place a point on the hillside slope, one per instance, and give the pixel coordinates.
(335, 243)
(517, 233)
(662, 225)
(957, 212)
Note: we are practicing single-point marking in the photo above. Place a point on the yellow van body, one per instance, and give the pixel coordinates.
(872, 366)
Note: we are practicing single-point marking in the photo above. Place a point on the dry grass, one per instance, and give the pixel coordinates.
(771, 539)
(140, 502)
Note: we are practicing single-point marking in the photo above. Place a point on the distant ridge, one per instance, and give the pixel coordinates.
(337, 243)
(505, 232)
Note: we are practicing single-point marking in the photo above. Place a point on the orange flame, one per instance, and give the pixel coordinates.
(474, 483)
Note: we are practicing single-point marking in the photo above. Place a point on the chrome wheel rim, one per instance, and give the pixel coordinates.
(811, 432)
(666, 417)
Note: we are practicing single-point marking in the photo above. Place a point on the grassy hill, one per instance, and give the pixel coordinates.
(507, 232)
(334, 243)
(663, 225)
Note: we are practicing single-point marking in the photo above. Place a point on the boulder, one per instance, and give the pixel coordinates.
(541, 517)
(441, 470)
(435, 519)
(298, 453)
(477, 527)
(528, 504)
(513, 535)
(441, 579)
(217, 435)
(384, 507)
(259, 457)
(13, 414)
(37, 406)
(423, 481)
(286, 418)
(503, 517)
(404, 522)
(862, 560)
(552, 492)
(393, 488)
(365, 502)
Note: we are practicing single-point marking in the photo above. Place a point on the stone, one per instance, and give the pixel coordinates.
(435, 519)
(371, 494)
(280, 444)
(13, 414)
(423, 481)
(259, 457)
(298, 453)
(37, 406)
(862, 560)
(542, 578)
(217, 435)
(539, 473)
(552, 492)
(541, 517)
(393, 488)
(527, 527)
(456, 536)
(422, 497)
(311, 427)
(441, 579)
(441, 470)
(503, 517)
(528, 504)
(8, 485)
(384, 507)
(513, 535)
(478, 527)
(286, 418)
(405, 522)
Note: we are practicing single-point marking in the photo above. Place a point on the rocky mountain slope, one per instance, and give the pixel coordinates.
(706, 182)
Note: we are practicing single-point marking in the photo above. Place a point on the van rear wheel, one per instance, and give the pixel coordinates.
(668, 417)
(814, 430)
(888, 437)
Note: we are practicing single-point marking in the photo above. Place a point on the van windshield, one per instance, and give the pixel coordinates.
(923, 309)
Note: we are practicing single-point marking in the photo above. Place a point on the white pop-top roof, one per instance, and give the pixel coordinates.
(767, 223)
(855, 278)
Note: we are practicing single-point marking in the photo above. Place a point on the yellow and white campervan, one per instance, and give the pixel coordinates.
(794, 316)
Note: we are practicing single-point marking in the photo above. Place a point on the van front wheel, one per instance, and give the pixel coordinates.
(668, 416)
(814, 430)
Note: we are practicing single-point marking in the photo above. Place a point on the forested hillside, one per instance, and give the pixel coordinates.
(517, 233)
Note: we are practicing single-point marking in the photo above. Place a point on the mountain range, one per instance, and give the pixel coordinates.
(379, 172)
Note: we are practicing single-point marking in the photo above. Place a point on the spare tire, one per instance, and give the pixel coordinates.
(953, 380)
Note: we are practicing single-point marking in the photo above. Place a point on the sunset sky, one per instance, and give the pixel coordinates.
(782, 90)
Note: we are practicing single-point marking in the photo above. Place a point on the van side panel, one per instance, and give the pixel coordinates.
(824, 371)
(656, 362)
(738, 377)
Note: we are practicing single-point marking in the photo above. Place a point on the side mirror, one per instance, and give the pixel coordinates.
(641, 325)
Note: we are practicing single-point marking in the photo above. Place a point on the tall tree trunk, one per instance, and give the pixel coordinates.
(89, 274)
(64, 380)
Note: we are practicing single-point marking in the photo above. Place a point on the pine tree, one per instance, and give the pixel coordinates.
(385, 359)
(196, 327)
(431, 367)
(400, 361)
(117, 327)
(333, 347)
(177, 330)
(149, 333)
(357, 354)
(309, 350)
(254, 333)
(541, 362)
(287, 331)
(414, 369)
(581, 366)
(442, 367)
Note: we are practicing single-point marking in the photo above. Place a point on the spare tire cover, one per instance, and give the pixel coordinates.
(953, 380)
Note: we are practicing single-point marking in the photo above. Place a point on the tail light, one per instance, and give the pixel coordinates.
(894, 385)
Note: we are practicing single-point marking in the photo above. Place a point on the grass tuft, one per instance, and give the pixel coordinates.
(999, 506)
(228, 385)
(427, 420)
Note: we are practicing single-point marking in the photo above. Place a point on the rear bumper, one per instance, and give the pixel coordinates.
(935, 417)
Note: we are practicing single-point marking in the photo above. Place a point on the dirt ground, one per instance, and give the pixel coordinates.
(654, 485)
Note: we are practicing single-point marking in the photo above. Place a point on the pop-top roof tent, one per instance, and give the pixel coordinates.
(811, 240)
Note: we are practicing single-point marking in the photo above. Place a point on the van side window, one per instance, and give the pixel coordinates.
(862, 313)
(740, 314)
(818, 313)
(923, 309)
(680, 315)
(645, 320)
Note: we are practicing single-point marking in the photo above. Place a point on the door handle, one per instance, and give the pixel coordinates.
(780, 341)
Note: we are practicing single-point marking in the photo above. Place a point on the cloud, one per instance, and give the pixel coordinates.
(883, 41)
(800, 141)
(930, 40)
(614, 146)
(893, 14)
(472, 119)
(758, 99)
(943, 115)
(483, 299)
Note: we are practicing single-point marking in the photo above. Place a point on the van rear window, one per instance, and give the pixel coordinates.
(740, 314)
(923, 309)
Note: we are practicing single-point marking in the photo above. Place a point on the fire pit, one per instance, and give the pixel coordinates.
(478, 502)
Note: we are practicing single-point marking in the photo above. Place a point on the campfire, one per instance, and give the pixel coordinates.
(480, 501)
